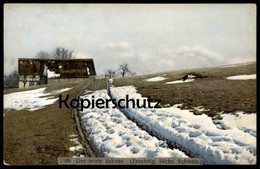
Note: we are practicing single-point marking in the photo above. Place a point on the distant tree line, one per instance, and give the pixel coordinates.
(11, 81)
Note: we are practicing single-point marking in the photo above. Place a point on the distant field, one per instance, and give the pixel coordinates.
(213, 92)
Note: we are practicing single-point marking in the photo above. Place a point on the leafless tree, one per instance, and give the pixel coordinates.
(123, 69)
(110, 74)
(63, 53)
(42, 55)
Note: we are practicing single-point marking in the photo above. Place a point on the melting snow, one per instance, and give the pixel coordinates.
(76, 148)
(196, 134)
(78, 145)
(180, 81)
(190, 78)
(155, 79)
(116, 136)
(240, 120)
(31, 99)
(242, 77)
(244, 122)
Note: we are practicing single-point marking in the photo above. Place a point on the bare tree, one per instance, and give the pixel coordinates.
(124, 69)
(63, 53)
(42, 55)
(110, 73)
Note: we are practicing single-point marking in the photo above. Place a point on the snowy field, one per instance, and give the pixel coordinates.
(116, 136)
(31, 100)
(196, 134)
(242, 77)
(155, 79)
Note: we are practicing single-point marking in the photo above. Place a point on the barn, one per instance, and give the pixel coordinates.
(34, 71)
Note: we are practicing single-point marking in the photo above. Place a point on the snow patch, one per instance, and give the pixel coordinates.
(30, 100)
(185, 79)
(244, 122)
(242, 77)
(180, 81)
(76, 148)
(155, 79)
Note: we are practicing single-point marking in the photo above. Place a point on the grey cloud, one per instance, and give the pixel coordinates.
(150, 38)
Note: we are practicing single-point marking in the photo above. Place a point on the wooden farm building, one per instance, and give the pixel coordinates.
(42, 71)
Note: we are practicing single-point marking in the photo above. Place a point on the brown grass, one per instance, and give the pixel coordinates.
(214, 92)
(39, 137)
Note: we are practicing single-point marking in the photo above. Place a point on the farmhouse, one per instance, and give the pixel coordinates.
(44, 71)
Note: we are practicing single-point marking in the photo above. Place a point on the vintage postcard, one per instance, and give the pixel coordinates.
(129, 84)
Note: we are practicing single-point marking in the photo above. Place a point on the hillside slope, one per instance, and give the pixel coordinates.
(211, 89)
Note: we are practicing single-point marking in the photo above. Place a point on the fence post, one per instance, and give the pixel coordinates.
(108, 88)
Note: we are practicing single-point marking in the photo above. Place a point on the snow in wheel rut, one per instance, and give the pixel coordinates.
(114, 135)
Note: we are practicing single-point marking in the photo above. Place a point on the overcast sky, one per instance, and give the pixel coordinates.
(150, 38)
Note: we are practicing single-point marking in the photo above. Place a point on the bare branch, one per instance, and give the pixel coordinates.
(63, 53)
(42, 55)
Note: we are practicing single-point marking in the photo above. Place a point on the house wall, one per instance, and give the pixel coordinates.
(21, 85)
(31, 81)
